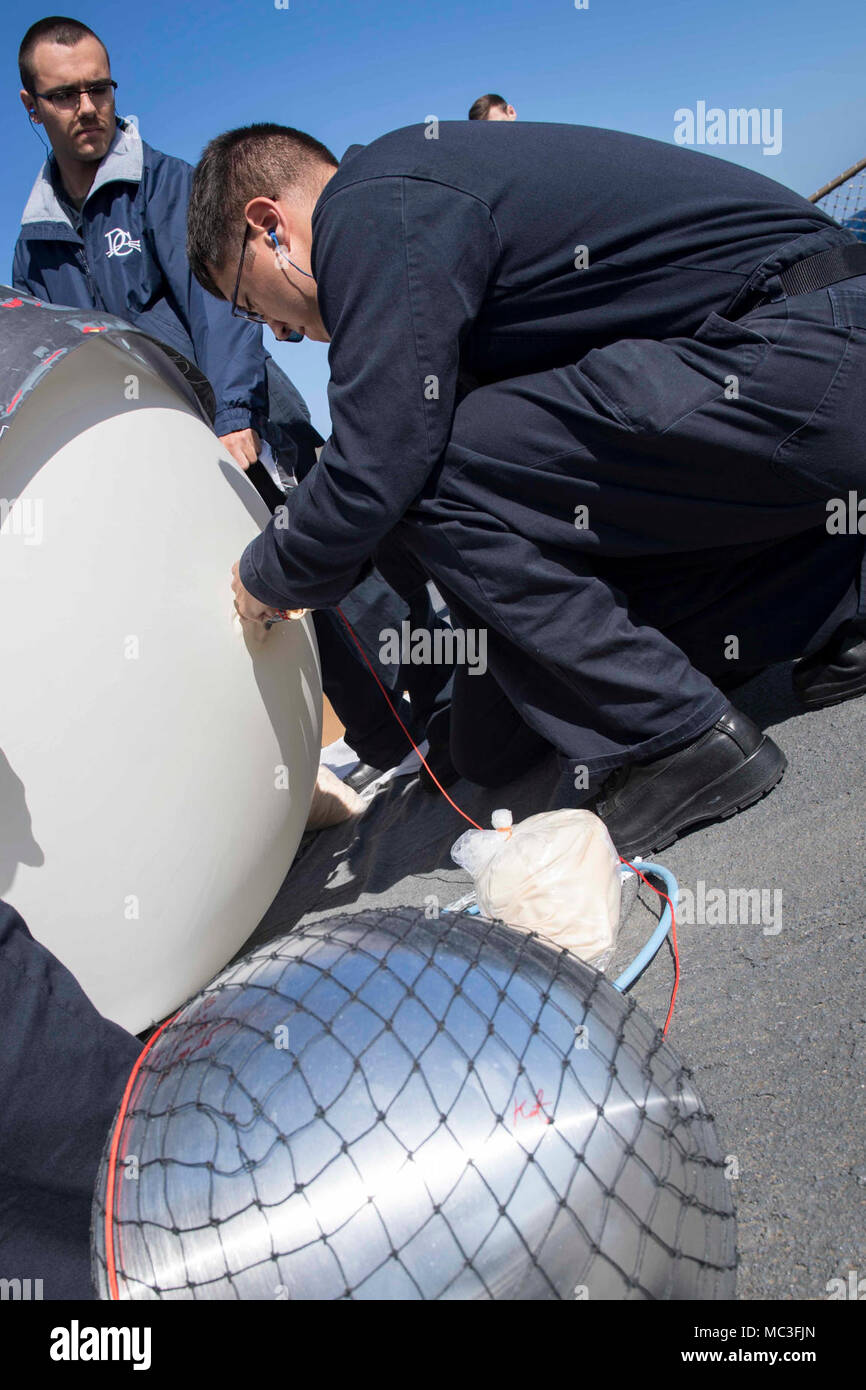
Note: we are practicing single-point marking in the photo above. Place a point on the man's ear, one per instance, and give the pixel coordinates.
(29, 101)
(265, 215)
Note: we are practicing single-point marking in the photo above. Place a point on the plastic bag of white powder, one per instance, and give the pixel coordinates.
(556, 873)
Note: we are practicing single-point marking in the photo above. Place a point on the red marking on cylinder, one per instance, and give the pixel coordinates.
(521, 1113)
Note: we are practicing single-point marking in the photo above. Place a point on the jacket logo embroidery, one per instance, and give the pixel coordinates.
(120, 243)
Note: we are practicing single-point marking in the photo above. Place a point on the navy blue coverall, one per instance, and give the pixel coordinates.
(529, 320)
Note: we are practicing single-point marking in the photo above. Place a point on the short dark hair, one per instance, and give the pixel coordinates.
(54, 29)
(261, 160)
(480, 109)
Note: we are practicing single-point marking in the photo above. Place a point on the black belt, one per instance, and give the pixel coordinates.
(826, 268)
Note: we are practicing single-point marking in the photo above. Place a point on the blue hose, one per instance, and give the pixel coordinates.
(648, 951)
(645, 955)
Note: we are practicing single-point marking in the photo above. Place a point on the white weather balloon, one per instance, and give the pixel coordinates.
(157, 764)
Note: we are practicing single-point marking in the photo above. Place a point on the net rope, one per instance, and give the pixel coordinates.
(847, 204)
(254, 1208)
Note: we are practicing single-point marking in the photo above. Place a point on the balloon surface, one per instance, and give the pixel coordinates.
(156, 762)
(386, 1106)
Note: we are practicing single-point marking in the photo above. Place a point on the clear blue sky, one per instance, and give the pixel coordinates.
(349, 70)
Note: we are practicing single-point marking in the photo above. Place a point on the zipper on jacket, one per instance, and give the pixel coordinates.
(95, 295)
(81, 254)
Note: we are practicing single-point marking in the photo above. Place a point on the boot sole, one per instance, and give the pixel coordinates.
(719, 800)
(822, 701)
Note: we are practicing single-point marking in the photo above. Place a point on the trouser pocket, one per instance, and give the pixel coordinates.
(650, 385)
(826, 455)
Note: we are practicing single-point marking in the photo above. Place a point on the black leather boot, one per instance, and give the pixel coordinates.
(647, 806)
(837, 671)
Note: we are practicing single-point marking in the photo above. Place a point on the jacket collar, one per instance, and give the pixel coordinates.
(124, 161)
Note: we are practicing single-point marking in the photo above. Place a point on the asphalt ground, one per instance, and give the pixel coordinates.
(770, 1015)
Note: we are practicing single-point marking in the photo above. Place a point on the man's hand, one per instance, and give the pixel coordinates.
(243, 445)
(249, 609)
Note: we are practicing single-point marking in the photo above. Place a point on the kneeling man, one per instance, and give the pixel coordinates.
(605, 391)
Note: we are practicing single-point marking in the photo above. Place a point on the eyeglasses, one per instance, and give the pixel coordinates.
(244, 313)
(250, 314)
(69, 98)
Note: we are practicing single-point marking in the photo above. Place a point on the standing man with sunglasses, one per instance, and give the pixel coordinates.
(105, 228)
